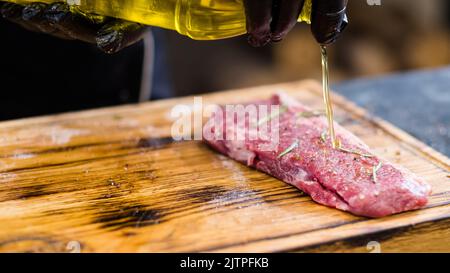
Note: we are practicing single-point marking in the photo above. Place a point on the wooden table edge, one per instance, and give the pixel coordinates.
(290, 241)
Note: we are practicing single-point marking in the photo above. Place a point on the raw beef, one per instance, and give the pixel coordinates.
(349, 178)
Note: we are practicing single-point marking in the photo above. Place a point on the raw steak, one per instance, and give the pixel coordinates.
(350, 178)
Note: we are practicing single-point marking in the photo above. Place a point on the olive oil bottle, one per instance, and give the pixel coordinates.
(198, 19)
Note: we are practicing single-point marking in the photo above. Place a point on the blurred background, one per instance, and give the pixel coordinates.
(397, 35)
(41, 75)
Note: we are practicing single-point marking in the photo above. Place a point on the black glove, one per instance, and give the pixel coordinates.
(60, 20)
(271, 20)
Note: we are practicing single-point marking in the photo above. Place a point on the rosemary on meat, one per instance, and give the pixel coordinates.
(282, 109)
(311, 114)
(289, 149)
(324, 137)
(375, 169)
(353, 152)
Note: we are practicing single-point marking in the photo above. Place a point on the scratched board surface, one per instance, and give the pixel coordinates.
(113, 180)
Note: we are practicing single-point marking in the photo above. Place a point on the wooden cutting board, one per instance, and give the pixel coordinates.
(112, 180)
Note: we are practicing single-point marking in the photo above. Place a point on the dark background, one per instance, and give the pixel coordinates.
(398, 36)
(43, 75)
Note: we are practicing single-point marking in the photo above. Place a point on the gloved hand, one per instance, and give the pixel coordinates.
(271, 20)
(60, 20)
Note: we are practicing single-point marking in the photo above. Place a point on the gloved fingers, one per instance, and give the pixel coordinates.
(284, 17)
(34, 13)
(119, 34)
(259, 17)
(13, 13)
(330, 6)
(328, 20)
(60, 20)
(73, 24)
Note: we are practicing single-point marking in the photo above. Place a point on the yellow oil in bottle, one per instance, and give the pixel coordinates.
(327, 97)
(198, 19)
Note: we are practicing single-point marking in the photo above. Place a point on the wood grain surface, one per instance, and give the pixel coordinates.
(113, 180)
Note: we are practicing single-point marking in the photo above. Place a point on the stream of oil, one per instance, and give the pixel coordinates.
(327, 97)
